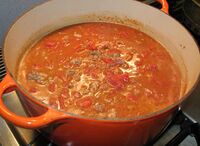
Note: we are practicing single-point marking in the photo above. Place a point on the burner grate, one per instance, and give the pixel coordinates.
(2, 66)
(177, 10)
(41, 140)
(186, 127)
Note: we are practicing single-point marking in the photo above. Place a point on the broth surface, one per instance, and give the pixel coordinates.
(100, 70)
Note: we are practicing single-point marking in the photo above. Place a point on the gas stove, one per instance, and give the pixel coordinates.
(184, 130)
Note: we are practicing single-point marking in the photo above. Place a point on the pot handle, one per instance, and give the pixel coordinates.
(165, 6)
(7, 85)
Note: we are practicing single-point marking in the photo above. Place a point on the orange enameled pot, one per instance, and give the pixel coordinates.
(69, 129)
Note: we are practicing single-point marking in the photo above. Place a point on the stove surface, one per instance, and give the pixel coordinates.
(15, 136)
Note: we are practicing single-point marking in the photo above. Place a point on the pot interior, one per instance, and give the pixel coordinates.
(53, 15)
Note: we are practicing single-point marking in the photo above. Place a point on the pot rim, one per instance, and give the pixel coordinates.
(135, 118)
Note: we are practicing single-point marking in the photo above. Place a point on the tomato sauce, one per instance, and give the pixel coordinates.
(100, 70)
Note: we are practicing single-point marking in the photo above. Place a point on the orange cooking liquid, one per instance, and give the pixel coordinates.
(100, 70)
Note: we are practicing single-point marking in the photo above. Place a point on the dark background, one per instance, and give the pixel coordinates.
(10, 10)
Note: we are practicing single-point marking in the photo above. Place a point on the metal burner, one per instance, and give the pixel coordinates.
(184, 12)
(2, 66)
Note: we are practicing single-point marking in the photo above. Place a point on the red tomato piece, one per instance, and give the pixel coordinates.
(52, 87)
(124, 77)
(132, 97)
(124, 34)
(79, 48)
(94, 74)
(91, 71)
(53, 102)
(85, 102)
(119, 80)
(33, 90)
(36, 66)
(111, 51)
(107, 60)
(153, 67)
(65, 93)
(139, 63)
(140, 70)
(91, 46)
(87, 71)
(50, 44)
(76, 94)
(61, 102)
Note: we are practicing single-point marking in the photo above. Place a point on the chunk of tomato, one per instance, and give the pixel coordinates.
(118, 81)
(50, 44)
(91, 46)
(33, 90)
(53, 102)
(132, 97)
(79, 48)
(52, 87)
(107, 60)
(61, 101)
(112, 51)
(85, 102)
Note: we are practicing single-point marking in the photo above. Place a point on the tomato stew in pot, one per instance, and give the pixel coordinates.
(100, 70)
